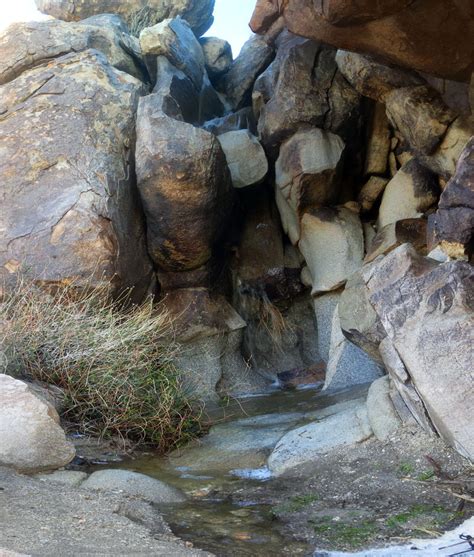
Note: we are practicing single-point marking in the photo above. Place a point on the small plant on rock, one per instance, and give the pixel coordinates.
(114, 363)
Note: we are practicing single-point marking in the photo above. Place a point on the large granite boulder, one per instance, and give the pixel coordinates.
(185, 186)
(403, 33)
(306, 175)
(70, 210)
(426, 309)
(453, 223)
(148, 12)
(31, 439)
(26, 45)
(332, 242)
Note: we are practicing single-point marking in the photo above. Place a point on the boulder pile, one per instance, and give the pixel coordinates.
(308, 202)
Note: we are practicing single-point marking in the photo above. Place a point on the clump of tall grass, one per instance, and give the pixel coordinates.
(113, 362)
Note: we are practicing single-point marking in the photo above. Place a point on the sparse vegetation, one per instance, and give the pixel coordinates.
(426, 475)
(113, 364)
(295, 504)
(344, 535)
(406, 468)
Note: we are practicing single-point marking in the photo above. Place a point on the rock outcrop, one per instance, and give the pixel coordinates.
(31, 439)
(70, 211)
(415, 304)
(142, 13)
(404, 33)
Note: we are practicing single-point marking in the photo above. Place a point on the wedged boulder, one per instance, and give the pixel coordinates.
(304, 444)
(409, 194)
(245, 156)
(70, 210)
(26, 45)
(383, 418)
(306, 175)
(134, 484)
(358, 320)
(378, 145)
(372, 78)
(237, 83)
(174, 39)
(426, 309)
(175, 93)
(31, 439)
(185, 186)
(197, 14)
(421, 115)
(217, 56)
(302, 87)
(406, 37)
(210, 334)
(453, 223)
(332, 242)
(371, 191)
(243, 119)
(348, 365)
(411, 231)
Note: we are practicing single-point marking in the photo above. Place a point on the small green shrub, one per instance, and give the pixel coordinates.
(113, 364)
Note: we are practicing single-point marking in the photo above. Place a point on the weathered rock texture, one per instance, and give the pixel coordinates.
(69, 207)
(31, 439)
(26, 45)
(421, 304)
(453, 222)
(183, 178)
(197, 14)
(405, 33)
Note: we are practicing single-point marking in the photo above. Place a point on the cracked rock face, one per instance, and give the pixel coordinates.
(26, 45)
(197, 14)
(69, 206)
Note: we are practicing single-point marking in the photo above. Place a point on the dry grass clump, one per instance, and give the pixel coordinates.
(114, 364)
